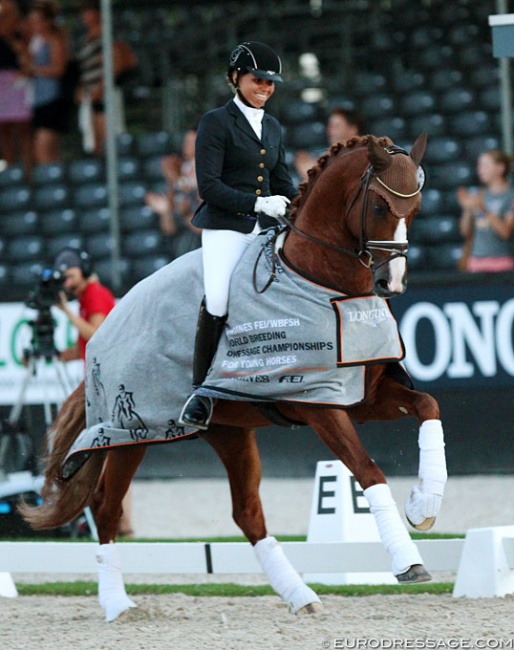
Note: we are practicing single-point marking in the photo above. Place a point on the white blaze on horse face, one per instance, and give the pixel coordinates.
(398, 266)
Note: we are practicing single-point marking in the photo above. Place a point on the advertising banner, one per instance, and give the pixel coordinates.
(23, 333)
(458, 336)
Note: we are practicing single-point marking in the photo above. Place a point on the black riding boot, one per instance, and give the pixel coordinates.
(197, 411)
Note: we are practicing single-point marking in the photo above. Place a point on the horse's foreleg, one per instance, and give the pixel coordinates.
(426, 497)
(237, 449)
(335, 428)
(120, 467)
(392, 400)
(407, 564)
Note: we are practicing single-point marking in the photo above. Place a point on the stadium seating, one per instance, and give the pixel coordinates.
(19, 223)
(50, 197)
(15, 198)
(417, 102)
(132, 193)
(443, 149)
(99, 245)
(69, 240)
(48, 173)
(137, 217)
(25, 274)
(90, 195)
(152, 169)
(94, 221)
(141, 267)
(104, 269)
(87, 170)
(153, 143)
(409, 67)
(128, 168)
(432, 203)
(25, 247)
(12, 175)
(56, 222)
(141, 243)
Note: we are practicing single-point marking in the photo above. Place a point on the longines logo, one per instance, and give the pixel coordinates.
(372, 317)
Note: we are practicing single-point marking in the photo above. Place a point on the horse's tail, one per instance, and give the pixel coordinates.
(65, 500)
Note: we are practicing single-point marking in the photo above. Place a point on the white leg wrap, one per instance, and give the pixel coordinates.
(111, 590)
(432, 460)
(393, 533)
(282, 576)
(425, 499)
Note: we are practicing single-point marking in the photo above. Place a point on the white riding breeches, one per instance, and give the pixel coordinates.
(221, 251)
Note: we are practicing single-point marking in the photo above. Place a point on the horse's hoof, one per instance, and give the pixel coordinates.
(311, 608)
(114, 610)
(424, 525)
(416, 573)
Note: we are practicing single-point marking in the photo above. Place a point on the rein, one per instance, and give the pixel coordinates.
(396, 249)
(364, 254)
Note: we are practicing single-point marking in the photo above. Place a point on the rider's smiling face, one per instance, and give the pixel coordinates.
(255, 90)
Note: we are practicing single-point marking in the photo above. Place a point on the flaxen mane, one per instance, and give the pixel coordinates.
(324, 161)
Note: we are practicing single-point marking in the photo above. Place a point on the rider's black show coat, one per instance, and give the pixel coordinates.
(234, 167)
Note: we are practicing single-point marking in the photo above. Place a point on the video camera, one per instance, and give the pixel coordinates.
(41, 298)
(46, 293)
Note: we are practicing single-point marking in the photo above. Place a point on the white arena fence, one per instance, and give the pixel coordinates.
(217, 557)
(342, 547)
(484, 560)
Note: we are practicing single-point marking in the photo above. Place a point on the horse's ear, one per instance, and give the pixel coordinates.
(378, 156)
(418, 148)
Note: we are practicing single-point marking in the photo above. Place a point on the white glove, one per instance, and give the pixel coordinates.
(272, 206)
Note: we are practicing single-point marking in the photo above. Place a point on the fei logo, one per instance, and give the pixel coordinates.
(290, 379)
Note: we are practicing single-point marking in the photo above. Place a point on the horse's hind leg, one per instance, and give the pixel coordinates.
(120, 467)
(237, 449)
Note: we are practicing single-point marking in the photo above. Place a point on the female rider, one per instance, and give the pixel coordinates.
(244, 183)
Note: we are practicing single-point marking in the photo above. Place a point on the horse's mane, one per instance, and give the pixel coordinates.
(327, 159)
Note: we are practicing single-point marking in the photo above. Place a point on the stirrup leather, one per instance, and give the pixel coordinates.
(196, 412)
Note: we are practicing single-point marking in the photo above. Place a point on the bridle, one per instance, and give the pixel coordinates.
(367, 247)
(364, 253)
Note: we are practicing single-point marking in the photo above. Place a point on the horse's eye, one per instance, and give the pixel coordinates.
(379, 210)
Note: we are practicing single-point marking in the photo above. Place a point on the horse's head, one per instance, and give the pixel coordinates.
(349, 224)
(391, 198)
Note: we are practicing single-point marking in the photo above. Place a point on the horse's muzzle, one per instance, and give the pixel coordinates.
(389, 266)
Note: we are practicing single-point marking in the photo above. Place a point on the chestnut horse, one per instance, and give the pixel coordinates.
(347, 231)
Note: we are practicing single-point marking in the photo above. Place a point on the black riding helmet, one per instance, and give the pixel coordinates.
(257, 58)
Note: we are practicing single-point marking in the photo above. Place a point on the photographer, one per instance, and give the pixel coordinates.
(95, 300)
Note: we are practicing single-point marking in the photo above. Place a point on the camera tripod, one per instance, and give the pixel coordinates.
(15, 443)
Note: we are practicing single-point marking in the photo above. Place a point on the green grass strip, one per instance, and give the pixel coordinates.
(229, 590)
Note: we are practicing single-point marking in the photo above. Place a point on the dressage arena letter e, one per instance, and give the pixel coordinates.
(355, 491)
(322, 493)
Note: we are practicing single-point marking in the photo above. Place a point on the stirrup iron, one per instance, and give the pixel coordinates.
(197, 412)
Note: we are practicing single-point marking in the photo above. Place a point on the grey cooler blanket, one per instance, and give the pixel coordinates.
(297, 341)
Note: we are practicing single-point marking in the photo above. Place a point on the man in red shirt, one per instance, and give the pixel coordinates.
(95, 300)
